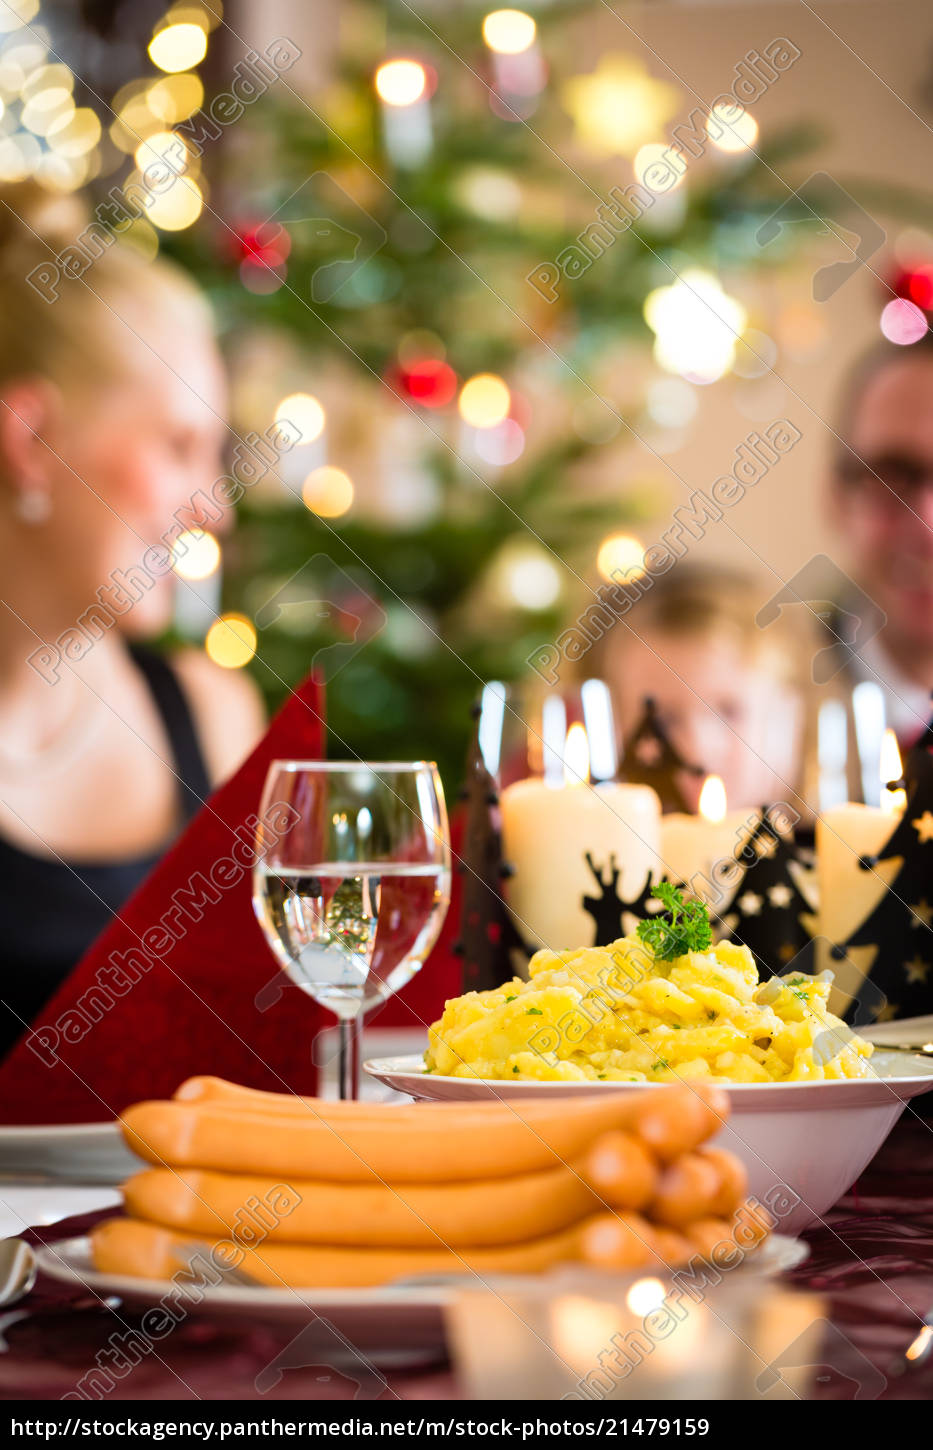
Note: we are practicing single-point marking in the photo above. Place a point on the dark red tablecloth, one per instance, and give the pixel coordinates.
(873, 1262)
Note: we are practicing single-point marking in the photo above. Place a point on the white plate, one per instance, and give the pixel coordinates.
(404, 1317)
(400, 1315)
(804, 1143)
(902, 1074)
(72, 1152)
(908, 1030)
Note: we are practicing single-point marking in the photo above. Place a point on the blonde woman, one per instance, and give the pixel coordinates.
(112, 404)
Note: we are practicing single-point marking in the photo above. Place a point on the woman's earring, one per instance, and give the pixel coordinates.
(33, 506)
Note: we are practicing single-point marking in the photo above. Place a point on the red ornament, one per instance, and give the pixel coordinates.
(916, 284)
(430, 382)
(262, 244)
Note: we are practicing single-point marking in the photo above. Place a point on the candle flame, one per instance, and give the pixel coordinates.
(713, 799)
(892, 801)
(576, 756)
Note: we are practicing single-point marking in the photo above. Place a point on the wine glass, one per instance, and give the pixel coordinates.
(352, 884)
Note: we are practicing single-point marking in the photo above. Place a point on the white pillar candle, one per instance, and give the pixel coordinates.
(547, 832)
(848, 892)
(691, 846)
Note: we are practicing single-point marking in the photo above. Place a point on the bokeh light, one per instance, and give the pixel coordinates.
(645, 1295)
(178, 47)
(903, 322)
(755, 355)
(731, 128)
(534, 582)
(231, 641)
(696, 325)
(328, 492)
(177, 207)
(484, 400)
(175, 97)
(430, 382)
(671, 402)
(304, 413)
(401, 82)
(657, 154)
(195, 554)
(621, 554)
(14, 13)
(502, 444)
(509, 31)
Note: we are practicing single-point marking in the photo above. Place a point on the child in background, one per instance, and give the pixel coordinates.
(733, 697)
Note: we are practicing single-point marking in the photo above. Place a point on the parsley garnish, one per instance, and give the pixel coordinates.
(534, 1012)
(512, 998)
(656, 1067)
(515, 1069)
(682, 927)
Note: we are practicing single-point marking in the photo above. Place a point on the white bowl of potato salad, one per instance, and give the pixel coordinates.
(811, 1101)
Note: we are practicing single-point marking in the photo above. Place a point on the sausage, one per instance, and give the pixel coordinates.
(126, 1246)
(733, 1177)
(481, 1212)
(680, 1119)
(384, 1143)
(686, 1191)
(621, 1170)
(617, 1241)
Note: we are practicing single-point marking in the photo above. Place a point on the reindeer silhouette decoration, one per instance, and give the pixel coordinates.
(609, 909)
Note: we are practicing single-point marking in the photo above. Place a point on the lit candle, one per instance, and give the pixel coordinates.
(848, 892)
(692, 846)
(549, 829)
(402, 87)
(518, 68)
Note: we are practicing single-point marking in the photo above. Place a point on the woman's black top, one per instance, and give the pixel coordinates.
(50, 910)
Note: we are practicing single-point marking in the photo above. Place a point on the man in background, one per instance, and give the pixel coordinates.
(881, 501)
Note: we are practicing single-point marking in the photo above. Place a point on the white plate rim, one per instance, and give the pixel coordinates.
(17, 1132)
(410, 1065)
(69, 1261)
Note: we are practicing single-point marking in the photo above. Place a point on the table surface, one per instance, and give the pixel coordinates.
(872, 1262)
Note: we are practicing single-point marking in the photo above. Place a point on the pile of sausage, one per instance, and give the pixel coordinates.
(300, 1192)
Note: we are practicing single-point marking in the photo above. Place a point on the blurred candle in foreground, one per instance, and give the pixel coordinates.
(402, 87)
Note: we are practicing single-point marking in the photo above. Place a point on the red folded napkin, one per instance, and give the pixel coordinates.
(171, 987)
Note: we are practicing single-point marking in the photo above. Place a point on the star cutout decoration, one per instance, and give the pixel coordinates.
(917, 970)
(885, 1011)
(923, 825)
(618, 107)
(750, 903)
(780, 895)
(922, 913)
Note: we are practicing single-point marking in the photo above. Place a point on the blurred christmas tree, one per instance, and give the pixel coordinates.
(375, 259)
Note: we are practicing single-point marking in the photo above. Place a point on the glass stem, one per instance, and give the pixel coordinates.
(349, 1060)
